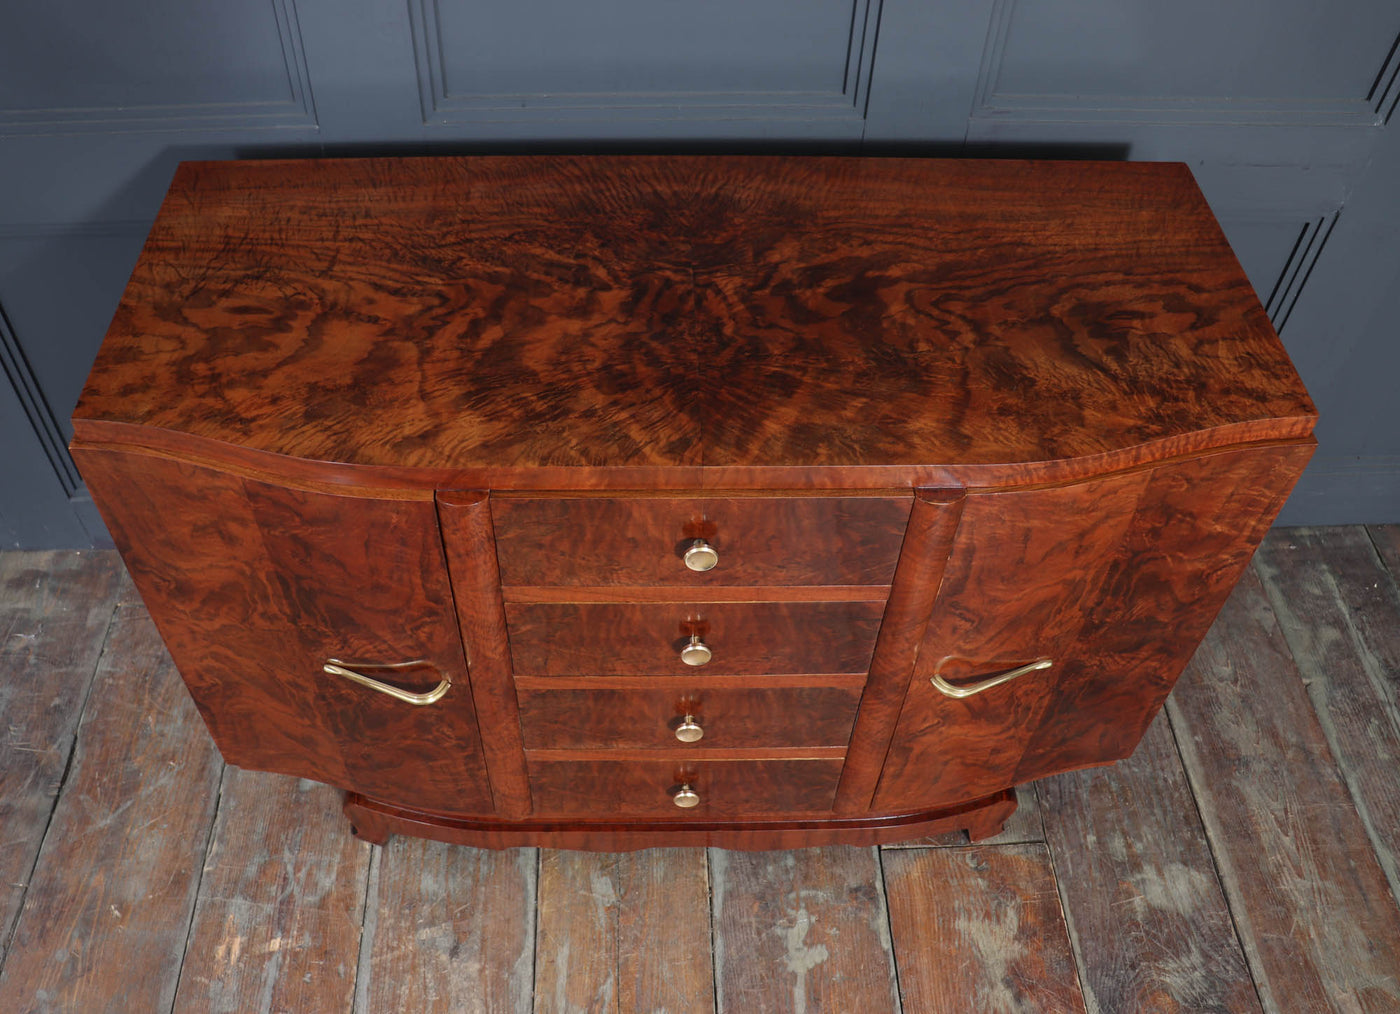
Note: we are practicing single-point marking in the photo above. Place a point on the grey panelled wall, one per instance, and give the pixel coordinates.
(1281, 109)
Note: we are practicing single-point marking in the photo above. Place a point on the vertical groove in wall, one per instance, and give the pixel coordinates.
(34, 405)
(1385, 89)
(1322, 230)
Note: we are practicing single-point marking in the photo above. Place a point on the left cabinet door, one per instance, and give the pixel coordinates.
(257, 588)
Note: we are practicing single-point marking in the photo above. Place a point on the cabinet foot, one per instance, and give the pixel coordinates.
(990, 821)
(366, 823)
(374, 821)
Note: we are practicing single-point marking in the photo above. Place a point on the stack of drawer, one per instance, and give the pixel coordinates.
(706, 653)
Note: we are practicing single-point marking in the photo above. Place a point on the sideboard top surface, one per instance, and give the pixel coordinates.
(675, 312)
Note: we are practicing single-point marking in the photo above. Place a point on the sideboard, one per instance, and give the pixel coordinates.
(616, 501)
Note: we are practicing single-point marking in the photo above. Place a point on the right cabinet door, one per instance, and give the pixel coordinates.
(1065, 616)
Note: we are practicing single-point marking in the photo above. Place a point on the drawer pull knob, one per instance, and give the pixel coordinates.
(701, 556)
(689, 730)
(697, 652)
(944, 687)
(335, 667)
(685, 797)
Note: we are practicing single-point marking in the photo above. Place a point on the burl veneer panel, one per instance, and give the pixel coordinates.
(515, 313)
(644, 788)
(749, 717)
(1118, 595)
(253, 587)
(606, 639)
(761, 540)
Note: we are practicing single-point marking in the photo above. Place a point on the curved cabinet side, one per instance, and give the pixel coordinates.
(254, 587)
(1114, 581)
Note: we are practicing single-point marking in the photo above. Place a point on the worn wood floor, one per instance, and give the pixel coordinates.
(1244, 859)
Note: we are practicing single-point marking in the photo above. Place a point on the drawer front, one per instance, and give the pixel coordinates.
(646, 788)
(765, 717)
(744, 638)
(788, 540)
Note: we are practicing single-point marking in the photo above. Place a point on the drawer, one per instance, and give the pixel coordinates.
(744, 638)
(768, 540)
(751, 717)
(647, 787)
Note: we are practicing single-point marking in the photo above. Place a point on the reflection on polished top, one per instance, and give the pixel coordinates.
(479, 317)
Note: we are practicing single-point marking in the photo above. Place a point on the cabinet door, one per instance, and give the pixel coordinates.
(256, 588)
(1112, 582)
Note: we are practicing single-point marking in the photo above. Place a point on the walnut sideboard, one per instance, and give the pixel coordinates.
(608, 502)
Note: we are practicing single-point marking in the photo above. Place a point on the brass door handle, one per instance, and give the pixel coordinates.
(336, 667)
(944, 687)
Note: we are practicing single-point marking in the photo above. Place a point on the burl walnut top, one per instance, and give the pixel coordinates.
(497, 314)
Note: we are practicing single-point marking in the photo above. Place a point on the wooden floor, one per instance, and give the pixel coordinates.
(1244, 859)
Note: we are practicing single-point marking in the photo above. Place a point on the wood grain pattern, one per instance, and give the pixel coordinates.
(277, 923)
(778, 540)
(1309, 899)
(467, 538)
(644, 787)
(801, 931)
(679, 311)
(933, 522)
(994, 917)
(1025, 569)
(449, 929)
(608, 639)
(1339, 610)
(1145, 911)
(54, 611)
(619, 719)
(254, 587)
(134, 817)
(376, 822)
(628, 932)
(1191, 537)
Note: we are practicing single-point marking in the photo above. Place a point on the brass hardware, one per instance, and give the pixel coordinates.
(701, 556)
(944, 687)
(335, 667)
(697, 652)
(685, 797)
(689, 730)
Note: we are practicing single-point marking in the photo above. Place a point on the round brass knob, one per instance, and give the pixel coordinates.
(689, 730)
(697, 652)
(701, 556)
(685, 797)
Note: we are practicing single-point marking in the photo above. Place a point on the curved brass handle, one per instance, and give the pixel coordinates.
(336, 667)
(944, 687)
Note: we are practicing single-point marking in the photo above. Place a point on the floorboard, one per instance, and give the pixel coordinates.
(281, 902)
(1243, 859)
(54, 612)
(803, 930)
(108, 909)
(624, 932)
(979, 928)
(1145, 910)
(1339, 609)
(448, 929)
(1309, 898)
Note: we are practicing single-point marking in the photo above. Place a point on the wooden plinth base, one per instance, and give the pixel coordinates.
(374, 822)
